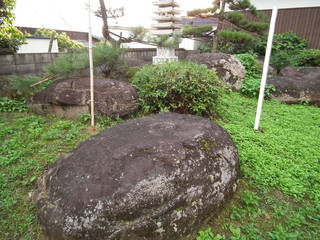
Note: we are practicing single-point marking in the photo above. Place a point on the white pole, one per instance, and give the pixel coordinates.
(91, 66)
(265, 67)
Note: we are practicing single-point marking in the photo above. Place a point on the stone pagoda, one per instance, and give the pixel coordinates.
(167, 17)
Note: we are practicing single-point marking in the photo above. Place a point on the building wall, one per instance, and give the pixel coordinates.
(35, 45)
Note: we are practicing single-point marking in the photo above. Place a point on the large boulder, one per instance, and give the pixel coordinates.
(71, 98)
(155, 178)
(297, 85)
(228, 68)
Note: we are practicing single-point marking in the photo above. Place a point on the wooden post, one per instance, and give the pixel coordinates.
(51, 41)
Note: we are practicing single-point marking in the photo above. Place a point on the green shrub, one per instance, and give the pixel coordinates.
(9, 105)
(238, 19)
(289, 42)
(68, 64)
(235, 17)
(181, 87)
(21, 86)
(251, 85)
(64, 41)
(105, 57)
(280, 60)
(258, 27)
(250, 62)
(235, 42)
(308, 58)
(196, 31)
(205, 47)
(10, 39)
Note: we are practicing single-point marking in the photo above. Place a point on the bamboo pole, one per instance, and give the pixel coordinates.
(91, 67)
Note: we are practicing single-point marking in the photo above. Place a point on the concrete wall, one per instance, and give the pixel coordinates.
(142, 56)
(38, 45)
(34, 63)
(25, 63)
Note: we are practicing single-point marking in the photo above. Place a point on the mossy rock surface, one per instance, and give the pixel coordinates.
(159, 177)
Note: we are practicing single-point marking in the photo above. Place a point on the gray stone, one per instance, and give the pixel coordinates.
(71, 98)
(155, 178)
(297, 85)
(228, 68)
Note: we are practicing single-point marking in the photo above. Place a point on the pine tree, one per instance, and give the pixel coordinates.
(242, 31)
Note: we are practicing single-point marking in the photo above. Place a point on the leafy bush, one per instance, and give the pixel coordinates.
(251, 85)
(105, 56)
(9, 105)
(308, 58)
(64, 41)
(289, 42)
(205, 47)
(250, 62)
(235, 42)
(10, 39)
(280, 60)
(182, 87)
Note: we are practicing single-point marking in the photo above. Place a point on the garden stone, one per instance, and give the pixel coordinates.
(71, 98)
(159, 177)
(228, 68)
(297, 85)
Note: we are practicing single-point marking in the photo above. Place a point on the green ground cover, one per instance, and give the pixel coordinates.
(279, 192)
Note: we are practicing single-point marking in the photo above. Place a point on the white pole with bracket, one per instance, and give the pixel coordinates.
(266, 67)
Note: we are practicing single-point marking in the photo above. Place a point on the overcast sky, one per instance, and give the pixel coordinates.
(72, 15)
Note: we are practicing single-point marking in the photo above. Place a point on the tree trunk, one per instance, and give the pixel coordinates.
(104, 16)
(219, 27)
(51, 41)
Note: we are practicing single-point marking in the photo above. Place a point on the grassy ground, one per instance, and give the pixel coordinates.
(279, 193)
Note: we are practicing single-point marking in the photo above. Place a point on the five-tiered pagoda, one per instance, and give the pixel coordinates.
(167, 17)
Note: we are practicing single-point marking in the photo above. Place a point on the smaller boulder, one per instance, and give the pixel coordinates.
(297, 85)
(228, 68)
(71, 98)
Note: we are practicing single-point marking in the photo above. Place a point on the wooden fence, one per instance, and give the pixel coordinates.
(305, 22)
